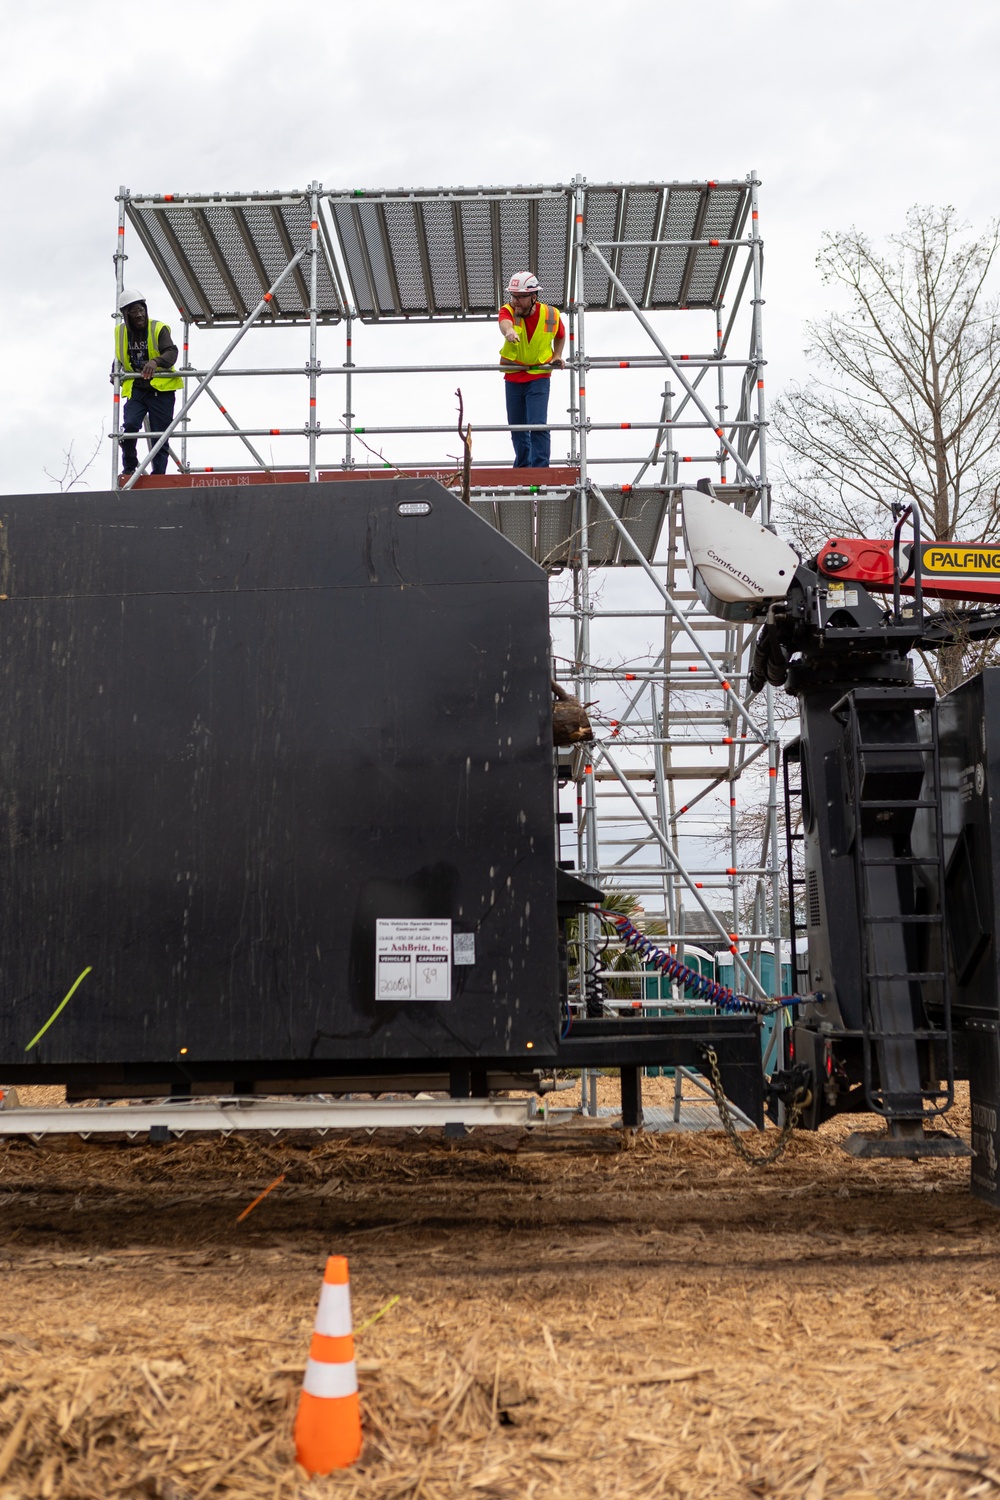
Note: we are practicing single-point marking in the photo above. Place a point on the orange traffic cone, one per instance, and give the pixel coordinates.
(328, 1426)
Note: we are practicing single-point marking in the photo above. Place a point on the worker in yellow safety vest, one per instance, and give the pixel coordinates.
(534, 337)
(145, 351)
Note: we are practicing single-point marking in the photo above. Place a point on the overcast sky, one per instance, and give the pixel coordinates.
(849, 112)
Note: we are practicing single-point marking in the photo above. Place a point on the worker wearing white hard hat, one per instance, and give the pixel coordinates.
(534, 338)
(146, 353)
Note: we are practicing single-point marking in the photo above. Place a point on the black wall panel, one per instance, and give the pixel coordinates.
(239, 726)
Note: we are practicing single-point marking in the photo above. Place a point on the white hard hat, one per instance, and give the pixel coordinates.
(522, 283)
(128, 296)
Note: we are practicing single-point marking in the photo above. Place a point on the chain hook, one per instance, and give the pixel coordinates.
(800, 1102)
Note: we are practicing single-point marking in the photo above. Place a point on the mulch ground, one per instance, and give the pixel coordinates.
(580, 1314)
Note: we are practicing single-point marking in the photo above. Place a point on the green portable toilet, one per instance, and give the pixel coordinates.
(658, 998)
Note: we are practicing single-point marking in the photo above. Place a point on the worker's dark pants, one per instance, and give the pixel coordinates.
(528, 401)
(158, 406)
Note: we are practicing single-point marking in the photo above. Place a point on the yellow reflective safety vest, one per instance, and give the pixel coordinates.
(537, 350)
(167, 381)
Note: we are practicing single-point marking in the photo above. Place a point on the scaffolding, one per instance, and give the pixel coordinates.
(676, 734)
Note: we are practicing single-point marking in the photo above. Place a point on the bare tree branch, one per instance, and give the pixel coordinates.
(72, 472)
(906, 402)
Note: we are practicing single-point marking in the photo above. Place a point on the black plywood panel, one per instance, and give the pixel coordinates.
(238, 728)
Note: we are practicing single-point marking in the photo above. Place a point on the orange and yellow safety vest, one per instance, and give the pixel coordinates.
(537, 350)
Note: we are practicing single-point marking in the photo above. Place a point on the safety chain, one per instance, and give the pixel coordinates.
(800, 1102)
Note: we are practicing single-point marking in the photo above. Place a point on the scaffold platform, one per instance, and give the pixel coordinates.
(425, 253)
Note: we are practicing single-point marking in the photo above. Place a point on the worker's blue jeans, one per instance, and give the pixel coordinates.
(158, 406)
(528, 401)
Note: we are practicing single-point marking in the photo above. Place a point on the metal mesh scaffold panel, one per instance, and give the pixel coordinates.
(725, 212)
(599, 222)
(641, 214)
(547, 528)
(444, 252)
(662, 276)
(219, 255)
(482, 284)
(679, 220)
(450, 252)
(555, 528)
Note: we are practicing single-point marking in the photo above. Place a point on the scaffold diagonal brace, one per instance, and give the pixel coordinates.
(678, 614)
(664, 843)
(206, 379)
(674, 366)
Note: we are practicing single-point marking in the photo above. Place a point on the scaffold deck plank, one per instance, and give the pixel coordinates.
(219, 257)
(482, 479)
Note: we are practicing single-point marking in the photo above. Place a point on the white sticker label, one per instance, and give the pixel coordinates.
(839, 597)
(412, 959)
(465, 947)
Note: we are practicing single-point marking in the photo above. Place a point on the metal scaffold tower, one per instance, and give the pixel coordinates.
(676, 266)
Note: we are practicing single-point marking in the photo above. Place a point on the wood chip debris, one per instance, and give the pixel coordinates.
(574, 1322)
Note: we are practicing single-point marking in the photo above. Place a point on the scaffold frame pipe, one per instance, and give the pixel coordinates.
(313, 429)
(116, 382)
(688, 879)
(675, 367)
(678, 614)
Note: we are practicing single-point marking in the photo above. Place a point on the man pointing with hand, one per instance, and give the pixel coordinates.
(534, 338)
